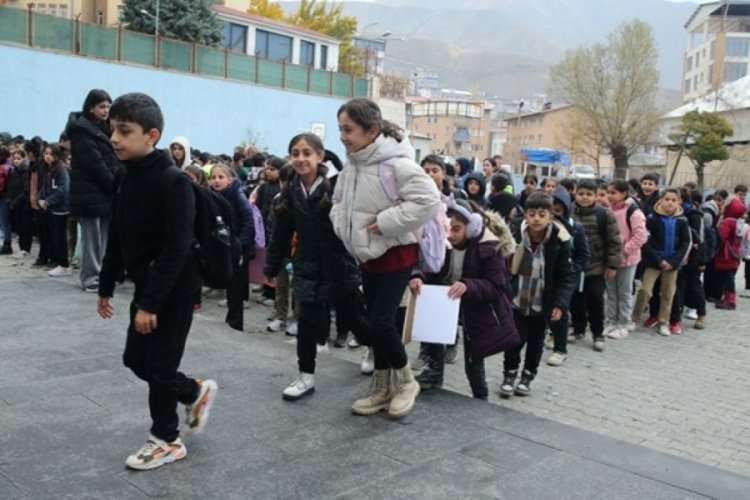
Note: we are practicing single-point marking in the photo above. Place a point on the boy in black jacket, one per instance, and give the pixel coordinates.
(543, 281)
(151, 239)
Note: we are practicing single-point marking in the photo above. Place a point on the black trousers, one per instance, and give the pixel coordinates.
(155, 358)
(473, 368)
(724, 282)
(59, 240)
(24, 223)
(531, 330)
(678, 301)
(588, 307)
(43, 222)
(694, 294)
(236, 293)
(559, 331)
(383, 292)
(747, 274)
(710, 286)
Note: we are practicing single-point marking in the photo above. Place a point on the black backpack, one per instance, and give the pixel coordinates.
(218, 249)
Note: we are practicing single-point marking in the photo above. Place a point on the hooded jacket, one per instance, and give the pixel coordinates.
(243, 217)
(579, 255)
(360, 200)
(724, 260)
(93, 168)
(669, 238)
(323, 269)
(604, 249)
(182, 141)
(632, 233)
(479, 197)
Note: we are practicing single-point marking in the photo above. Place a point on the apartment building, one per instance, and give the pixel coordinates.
(718, 47)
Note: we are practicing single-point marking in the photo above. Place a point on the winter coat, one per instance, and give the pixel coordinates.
(579, 247)
(632, 233)
(604, 249)
(264, 201)
(243, 218)
(57, 192)
(486, 310)
(669, 238)
(18, 186)
(479, 198)
(559, 277)
(359, 200)
(694, 216)
(182, 141)
(93, 168)
(5, 170)
(323, 269)
(151, 236)
(724, 260)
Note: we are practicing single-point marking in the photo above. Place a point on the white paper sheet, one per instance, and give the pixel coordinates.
(435, 316)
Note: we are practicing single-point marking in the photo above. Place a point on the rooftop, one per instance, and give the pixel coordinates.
(254, 18)
(733, 96)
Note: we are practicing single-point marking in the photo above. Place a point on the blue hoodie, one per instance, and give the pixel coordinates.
(579, 254)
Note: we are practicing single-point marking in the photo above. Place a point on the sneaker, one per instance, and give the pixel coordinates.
(664, 330)
(745, 294)
(59, 271)
(6, 250)
(291, 331)
(277, 325)
(675, 327)
(340, 341)
(156, 453)
(196, 414)
(577, 337)
(613, 332)
(631, 326)
(451, 354)
(608, 329)
(556, 359)
(651, 321)
(322, 348)
(623, 331)
(691, 314)
(214, 293)
(246, 304)
(368, 362)
(301, 387)
(700, 323)
(91, 289)
(37, 264)
(223, 303)
(549, 342)
(508, 386)
(268, 302)
(523, 388)
(353, 343)
(20, 255)
(420, 363)
(599, 344)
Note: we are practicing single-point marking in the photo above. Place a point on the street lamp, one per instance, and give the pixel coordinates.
(154, 17)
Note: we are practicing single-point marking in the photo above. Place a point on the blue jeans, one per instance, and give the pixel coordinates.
(5, 220)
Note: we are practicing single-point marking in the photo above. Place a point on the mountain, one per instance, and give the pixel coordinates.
(505, 47)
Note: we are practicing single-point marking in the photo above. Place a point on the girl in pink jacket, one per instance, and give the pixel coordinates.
(632, 223)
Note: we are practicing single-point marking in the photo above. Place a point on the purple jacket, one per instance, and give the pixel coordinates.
(486, 310)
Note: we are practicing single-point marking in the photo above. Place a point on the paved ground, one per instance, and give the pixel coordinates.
(71, 413)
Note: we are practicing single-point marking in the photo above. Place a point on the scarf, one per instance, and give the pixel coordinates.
(529, 299)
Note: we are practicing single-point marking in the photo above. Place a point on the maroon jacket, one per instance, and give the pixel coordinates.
(486, 310)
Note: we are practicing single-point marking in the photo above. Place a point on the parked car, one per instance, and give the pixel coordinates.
(582, 172)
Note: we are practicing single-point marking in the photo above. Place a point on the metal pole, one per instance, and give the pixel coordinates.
(157, 18)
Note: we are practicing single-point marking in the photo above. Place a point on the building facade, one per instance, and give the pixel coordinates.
(718, 47)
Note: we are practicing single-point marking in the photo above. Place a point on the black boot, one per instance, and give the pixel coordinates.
(508, 385)
(524, 385)
(6, 250)
(432, 376)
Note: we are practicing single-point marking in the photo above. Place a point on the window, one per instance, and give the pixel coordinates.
(273, 46)
(52, 9)
(64, 10)
(738, 47)
(690, 63)
(713, 48)
(234, 37)
(687, 86)
(41, 8)
(324, 57)
(306, 53)
(734, 71)
(711, 74)
(697, 60)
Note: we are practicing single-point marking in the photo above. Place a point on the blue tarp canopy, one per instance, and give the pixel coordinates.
(545, 155)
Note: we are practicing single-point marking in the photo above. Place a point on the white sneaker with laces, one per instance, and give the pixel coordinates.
(196, 414)
(623, 331)
(745, 294)
(323, 348)
(276, 325)
(353, 343)
(664, 330)
(156, 453)
(302, 386)
(368, 362)
(20, 255)
(631, 326)
(59, 271)
(612, 333)
(691, 314)
(292, 330)
(223, 303)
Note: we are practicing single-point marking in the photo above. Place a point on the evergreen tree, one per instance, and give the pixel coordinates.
(187, 20)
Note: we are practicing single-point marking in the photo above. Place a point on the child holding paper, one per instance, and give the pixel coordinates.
(475, 270)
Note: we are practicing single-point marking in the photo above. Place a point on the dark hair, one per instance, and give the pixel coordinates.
(690, 186)
(549, 179)
(499, 181)
(537, 200)
(204, 157)
(722, 193)
(198, 172)
(57, 156)
(696, 197)
(237, 157)
(276, 163)
(4, 154)
(650, 177)
(20, 152)
(138, 108)
(19, 139)
(259, 159)
(63, 137)
(332, 157)
(569, 183)
(285, 172)
(34, 147)
(588, 184)
(365, 113)
(620, 185)
(602, 184)
(93, 98)
(635, 184)
(530, 177)
(740, 188)
(435, 160)
(670, 190)
(325, 201)
(491, 160)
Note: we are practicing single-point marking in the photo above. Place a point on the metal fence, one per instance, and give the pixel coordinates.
(25, 27)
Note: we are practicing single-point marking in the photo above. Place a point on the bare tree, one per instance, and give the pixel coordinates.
(615, 86)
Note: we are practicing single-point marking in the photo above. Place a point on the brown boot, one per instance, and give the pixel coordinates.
(405, 391)
(379, 396)
(700, 323)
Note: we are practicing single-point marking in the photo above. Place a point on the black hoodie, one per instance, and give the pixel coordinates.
(479, 197)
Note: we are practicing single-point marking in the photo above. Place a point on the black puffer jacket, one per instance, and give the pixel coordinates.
(93, 167)
(323, 269)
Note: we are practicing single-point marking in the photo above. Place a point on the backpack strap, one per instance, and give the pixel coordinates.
(601, 223)
(629, 213)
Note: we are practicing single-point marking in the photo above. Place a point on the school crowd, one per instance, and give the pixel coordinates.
(318, 238)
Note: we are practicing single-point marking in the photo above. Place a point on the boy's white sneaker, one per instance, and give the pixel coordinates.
(368, 362)
(664, 330)
(276, 325)
(302, 386)
(59, 271)
(691, 314)
(156, 453)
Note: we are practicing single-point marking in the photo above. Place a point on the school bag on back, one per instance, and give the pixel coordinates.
(217, 248)
(739, 247)
(434, 238)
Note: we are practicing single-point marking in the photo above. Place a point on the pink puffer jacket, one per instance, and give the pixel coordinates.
(633, 236)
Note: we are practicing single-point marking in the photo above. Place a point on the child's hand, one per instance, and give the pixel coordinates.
(415, 285)
(665, 266)
(373, 228)
(104, 307)
(457, 290)
(42, 204)
(145, 322)
(556, 315)
(610, 274)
